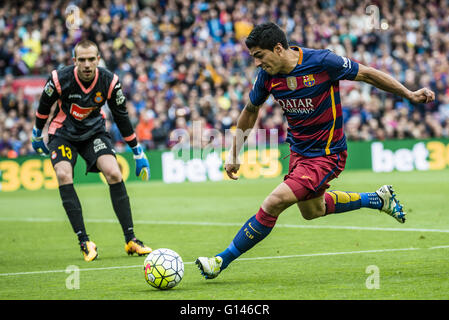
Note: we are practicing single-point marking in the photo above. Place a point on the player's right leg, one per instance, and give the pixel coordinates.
(384, 200)
(251, 233)
(63, 156)
(316, 173)
(391, 205)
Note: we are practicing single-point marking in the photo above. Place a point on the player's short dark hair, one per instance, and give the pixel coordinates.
(85, 44)
(266, 36)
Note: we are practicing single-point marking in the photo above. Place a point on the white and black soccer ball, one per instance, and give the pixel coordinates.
(163, 268)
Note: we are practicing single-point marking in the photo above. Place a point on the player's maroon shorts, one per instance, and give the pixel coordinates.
(309, 177)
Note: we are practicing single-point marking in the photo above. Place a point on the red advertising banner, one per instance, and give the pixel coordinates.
(31, 86)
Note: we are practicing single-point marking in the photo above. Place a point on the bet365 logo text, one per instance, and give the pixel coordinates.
(198, 155)
(431, 155)
(255, 164)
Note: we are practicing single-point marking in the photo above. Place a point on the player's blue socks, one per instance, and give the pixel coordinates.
(252, 232)
(371, 200)
(340, 201)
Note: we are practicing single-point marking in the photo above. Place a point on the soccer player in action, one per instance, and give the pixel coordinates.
(78, 127)
(305, 83)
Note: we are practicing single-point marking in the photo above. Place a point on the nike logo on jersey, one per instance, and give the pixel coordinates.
(275, 84)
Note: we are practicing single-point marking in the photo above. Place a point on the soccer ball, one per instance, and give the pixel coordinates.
(163, 269)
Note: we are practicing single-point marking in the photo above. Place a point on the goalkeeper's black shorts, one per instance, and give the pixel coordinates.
(62, 149)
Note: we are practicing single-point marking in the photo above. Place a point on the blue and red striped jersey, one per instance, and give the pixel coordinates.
(310, 99)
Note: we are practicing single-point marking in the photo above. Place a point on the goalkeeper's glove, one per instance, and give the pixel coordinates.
(37, 141)
(142, 164)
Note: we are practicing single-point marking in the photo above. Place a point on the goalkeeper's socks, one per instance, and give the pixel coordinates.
(122, 209)
(340, 201)
(72, 207)
(252, 232)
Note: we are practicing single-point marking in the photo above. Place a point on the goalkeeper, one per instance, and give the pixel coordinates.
(78, 127)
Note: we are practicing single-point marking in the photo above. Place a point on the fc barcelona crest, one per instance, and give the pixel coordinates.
(309, 80)
(291, 83)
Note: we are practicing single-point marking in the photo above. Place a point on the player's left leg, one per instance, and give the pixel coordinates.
(108, 165)
(99, 154)
(259, 225)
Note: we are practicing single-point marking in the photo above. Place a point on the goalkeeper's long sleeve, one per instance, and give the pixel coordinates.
(48, 97)
(117, 105)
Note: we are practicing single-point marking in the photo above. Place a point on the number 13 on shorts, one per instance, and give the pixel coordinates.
(66, 152)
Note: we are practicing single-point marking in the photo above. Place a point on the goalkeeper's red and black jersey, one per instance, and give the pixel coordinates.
(79, 113)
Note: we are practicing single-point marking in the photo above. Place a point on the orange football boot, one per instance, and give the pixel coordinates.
(89, 250)
(137, 246)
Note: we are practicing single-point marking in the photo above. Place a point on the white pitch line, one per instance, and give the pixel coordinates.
(60, 271)
(439, 247)
(229, 224)
(331, 253)
(239, 259)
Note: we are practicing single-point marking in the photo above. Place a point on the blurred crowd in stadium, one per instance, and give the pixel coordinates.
(182, 61)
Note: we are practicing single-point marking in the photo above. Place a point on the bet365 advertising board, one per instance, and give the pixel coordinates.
(36, 172)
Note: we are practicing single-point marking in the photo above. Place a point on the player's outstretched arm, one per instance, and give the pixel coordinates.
(117, 105)
(387, 83)
(245, 123)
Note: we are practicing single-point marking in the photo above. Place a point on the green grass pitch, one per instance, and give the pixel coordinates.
(327, 258)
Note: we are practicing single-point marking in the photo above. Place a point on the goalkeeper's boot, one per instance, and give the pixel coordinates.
(137, 246)
(89, 250)
(391, 205)
(210, 267)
